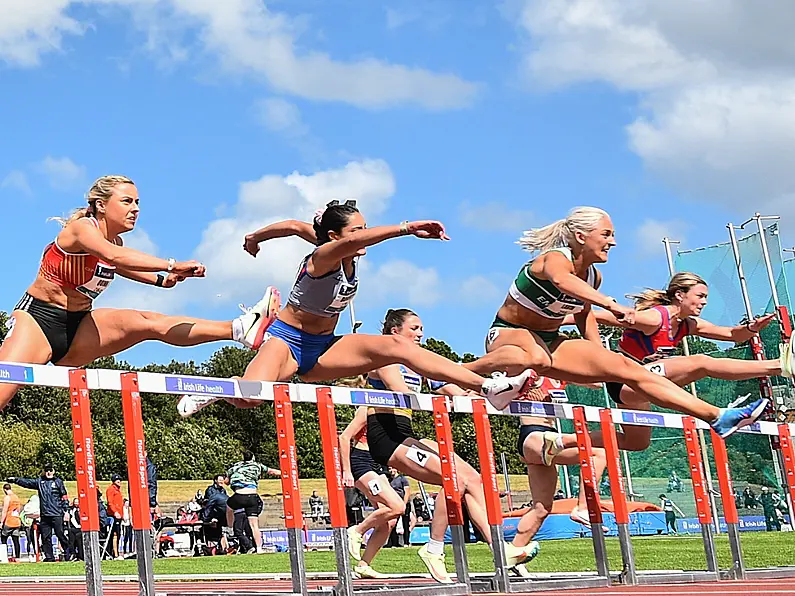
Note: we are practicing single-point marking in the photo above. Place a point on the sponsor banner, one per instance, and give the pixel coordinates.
(532, 408)
(644, 419)
(201, 386)
(16, 373)
(386, 399)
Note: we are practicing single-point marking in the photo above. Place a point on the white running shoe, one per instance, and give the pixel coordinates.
(188, 405)
(787, 360)
(366, 572)
(549, 447)
(501, 390)
(435, 565)
(355, 544)
(581, 516)
(256, 320)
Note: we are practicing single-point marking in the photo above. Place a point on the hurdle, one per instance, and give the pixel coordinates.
(79, 382)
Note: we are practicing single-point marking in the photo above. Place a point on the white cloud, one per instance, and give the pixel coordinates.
(17, 180)
(140, 240)
(246, 37)
(717, 95)
(62, 173)
(279, 115)
(651, 232)
(495, 216)
(478, 289)
(401, 282)
(233, 273)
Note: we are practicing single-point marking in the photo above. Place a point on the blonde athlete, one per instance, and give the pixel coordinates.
(562, 280)
(55, 322)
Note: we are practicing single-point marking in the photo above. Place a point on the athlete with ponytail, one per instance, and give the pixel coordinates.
(302, 341)
(662, 319)
(54, 321)
(562, 280)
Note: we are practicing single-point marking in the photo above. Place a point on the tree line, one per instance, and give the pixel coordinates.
(36, 427)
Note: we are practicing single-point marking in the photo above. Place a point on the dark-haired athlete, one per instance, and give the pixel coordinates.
(54, 321)
(302, 338)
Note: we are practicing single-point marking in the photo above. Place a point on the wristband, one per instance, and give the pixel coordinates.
(171, 262)
(404, 227)
(160, 279)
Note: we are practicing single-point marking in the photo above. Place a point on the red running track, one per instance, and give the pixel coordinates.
(727, 588)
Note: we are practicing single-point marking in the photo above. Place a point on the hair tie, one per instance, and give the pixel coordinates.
(319, 215)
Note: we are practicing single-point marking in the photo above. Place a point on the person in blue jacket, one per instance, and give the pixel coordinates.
(54, 503)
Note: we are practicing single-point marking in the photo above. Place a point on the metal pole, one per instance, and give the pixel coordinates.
(778, 457)
(765, 386)
(508, 493)
(628, 473)
(354, 323)
(701, 439)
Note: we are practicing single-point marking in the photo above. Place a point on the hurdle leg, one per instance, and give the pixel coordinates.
(729, 507)
(700, 492)
(336, 494)
(288, 464)
(590, 484)
(138, 482)
(629, 573)
(455, 518)
(788, 457)
(488, 473)
(83, 437)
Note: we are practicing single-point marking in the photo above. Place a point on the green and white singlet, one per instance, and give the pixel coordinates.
(542, 297)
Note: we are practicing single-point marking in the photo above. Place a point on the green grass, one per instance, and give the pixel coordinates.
(659, 552)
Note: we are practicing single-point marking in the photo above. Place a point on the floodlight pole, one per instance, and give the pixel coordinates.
(667, 242)
(765, 386)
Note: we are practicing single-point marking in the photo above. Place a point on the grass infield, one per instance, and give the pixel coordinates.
(760, 549)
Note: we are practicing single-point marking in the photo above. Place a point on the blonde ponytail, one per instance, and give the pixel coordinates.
(680, 282)
(563, 232)
(102, 189)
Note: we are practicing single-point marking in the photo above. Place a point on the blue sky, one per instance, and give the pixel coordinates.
(490, 116)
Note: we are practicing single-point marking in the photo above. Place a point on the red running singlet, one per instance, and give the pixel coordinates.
(640, 346)
(77, 271)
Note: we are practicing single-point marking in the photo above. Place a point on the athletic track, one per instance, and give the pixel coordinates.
(252, 587)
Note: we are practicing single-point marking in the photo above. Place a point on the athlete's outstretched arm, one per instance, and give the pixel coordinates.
(280, 229)
(166, 281)
(91, 240)
(738, 334)
(329, 255)
(558, 269)
(647, 320)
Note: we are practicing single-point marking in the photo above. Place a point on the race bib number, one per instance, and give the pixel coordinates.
(418, 457)
(10, 326)
(103, 275)
(658, 368)
(374, 486)
(492, 336)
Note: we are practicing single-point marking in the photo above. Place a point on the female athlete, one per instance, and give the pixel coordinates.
(301, 340)
(54, 321)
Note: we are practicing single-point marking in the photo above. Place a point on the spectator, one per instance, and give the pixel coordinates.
(738, 501)
(243, 478)
(559, 496)
(11, 519)
(115, 501)
(749, 498)
(769, 510)
(53, 503)
(73, 532)
(316, 506)
(420, 511)
(30, 521)
(151, 483)
(670, 509)
(674, 483)
(214, 512)
(400, 484)
(126, 528)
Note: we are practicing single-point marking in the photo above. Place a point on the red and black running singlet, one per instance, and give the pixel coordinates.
(640, 346)
(361, 437)
(77, 271)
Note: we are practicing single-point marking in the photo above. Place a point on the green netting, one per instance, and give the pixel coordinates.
(716, 264)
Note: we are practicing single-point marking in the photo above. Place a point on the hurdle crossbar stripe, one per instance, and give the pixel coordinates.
(174, 384)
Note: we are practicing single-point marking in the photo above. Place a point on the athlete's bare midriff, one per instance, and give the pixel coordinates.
(308, 322)
(514, 313)
(66, 298)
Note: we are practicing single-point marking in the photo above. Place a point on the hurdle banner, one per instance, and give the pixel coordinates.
(133, 384)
